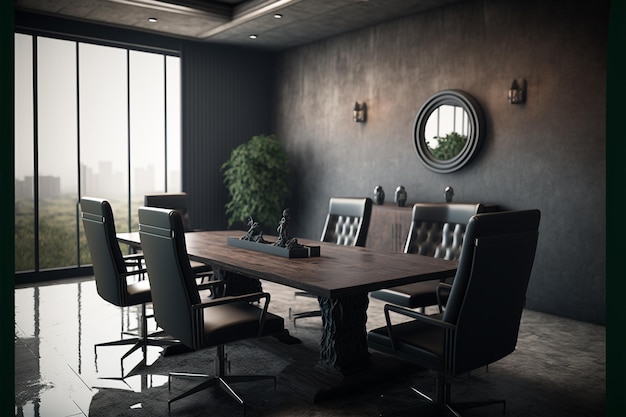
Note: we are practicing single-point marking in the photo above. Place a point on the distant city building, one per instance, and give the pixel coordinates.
(24, 188)
(86, 181)
(143, 181)
(105, 183)
(49, 187)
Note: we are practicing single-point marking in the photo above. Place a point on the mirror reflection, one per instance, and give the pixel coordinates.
(446, 131)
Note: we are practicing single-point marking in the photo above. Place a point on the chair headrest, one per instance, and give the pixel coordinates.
(458, 213)
(353, 207)
(95, 206)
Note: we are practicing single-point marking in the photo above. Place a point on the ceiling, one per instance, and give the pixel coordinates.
(233, 21)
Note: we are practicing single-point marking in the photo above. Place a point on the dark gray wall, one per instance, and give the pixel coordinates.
(226, 100)
(548, 153)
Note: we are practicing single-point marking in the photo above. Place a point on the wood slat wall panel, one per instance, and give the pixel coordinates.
(227, 97)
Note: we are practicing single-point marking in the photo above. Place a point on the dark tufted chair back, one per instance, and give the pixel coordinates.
(347, 221)
(437, 229)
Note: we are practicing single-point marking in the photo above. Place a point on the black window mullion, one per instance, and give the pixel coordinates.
(128, 136)
(35, 154)
(78, 139)
(165, 116)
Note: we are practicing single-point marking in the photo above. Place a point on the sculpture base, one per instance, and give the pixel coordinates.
(303, 252)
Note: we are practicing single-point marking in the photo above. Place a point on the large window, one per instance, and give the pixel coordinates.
(90, 120)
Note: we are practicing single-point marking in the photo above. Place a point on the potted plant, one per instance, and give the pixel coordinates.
(258, 181)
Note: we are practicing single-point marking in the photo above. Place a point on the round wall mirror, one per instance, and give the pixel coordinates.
(448, 131)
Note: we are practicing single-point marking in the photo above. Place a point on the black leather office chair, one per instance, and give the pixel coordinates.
(481, 321)
(347, 223)
(176, 201)
(120, 280)
(180, 203)
(179, 310)
(436, 230)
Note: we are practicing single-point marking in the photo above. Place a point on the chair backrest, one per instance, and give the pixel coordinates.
(347, 221)
(489, 290)
(176, 201)
(437, 229)
(171, 278)
(106, 255)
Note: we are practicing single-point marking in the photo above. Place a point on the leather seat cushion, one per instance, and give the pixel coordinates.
(416, 341)
(232, 322)
(139, 292)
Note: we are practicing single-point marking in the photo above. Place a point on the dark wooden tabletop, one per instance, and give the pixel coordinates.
(338, 271)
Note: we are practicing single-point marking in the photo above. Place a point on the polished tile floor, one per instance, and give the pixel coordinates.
(59, 325)
(57, 373)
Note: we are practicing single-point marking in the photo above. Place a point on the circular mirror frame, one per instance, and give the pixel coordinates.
(475, 138)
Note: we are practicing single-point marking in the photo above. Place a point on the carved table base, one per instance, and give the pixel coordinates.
(344, 336)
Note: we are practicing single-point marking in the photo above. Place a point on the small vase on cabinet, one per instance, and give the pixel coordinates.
(379, 195)
(400, 196)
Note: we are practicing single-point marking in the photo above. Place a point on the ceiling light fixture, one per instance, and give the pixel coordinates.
(246, 15)
(278, 16)
(253, 36)
(153, 19)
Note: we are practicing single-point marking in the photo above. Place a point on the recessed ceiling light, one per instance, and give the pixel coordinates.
(253, 36)
(278, 16)
(152, 19)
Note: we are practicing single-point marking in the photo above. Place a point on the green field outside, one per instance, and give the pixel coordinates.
(59, 223)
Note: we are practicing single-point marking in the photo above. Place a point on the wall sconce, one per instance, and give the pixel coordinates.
(359, 114)
(517, 93)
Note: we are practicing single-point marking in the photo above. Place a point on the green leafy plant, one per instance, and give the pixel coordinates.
(448, 146)
(258, 180)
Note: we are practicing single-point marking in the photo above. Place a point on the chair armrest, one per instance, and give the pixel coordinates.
(204, 274)
(232, 299)
(133, 272)
(209, 284)
(133, 256)
(443, 289)
(413, 314)
(135, 259)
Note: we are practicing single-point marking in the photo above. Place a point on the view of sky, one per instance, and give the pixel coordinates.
(86, 96)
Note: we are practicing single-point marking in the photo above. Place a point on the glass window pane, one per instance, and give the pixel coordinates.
(147, 126)
(57, 152)
(115, 104)
(174, 161)
(24, 155)
(104, 129)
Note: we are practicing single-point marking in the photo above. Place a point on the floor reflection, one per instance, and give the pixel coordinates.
(56, 328)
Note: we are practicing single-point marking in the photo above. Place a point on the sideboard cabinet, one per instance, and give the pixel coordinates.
(389, 226)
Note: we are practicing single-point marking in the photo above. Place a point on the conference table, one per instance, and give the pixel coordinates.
(341, 277)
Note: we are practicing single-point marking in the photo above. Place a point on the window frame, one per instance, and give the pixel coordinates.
(38, 274)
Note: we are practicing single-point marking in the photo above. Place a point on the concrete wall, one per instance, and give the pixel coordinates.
(548, 153)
